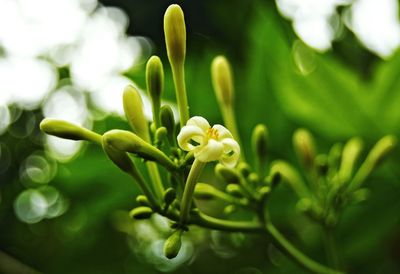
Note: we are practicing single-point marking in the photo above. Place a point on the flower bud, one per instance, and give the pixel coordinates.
(222, 80)
(381, 149)
(303, 143)
(227, 174)
(155, 85)
(351, 152)
(290, 176)
(119, 158)
(67, 130)
(142, 200)
(141, 212)
(160, 134)
(244, 169)
(205, 192)
(173, 244)
(168, 121)
(133, 108)
(235, 190)
(229, 209)
(127, 141)
(259, 142)
(175, 35)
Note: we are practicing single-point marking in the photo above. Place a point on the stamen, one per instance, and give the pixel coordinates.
(212, 133)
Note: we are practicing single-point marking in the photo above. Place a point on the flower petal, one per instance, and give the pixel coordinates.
(212, 151)
(231, 152)
(223, 132)
(199, 122)
(188, 133)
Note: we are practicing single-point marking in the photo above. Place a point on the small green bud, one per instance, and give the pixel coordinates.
(222, 80)
(253, 178)
(303, 143)
(351, 152)
(155, 85)
(168, 121)
(244, 169)
(67, 130)
(227, 174)
(204, 192)
(235, 190)
(160, 134)
(175, 35)
(360, 195)
(142, 200)
(141, 212)
(259, 143)
(133, 108)
(265, 190)
(229, 209)
(173, 244)
(321, 164)
(169, 195)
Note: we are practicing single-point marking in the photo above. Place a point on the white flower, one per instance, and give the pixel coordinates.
(209, 143)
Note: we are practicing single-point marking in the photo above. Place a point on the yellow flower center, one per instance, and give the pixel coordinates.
(212, 133)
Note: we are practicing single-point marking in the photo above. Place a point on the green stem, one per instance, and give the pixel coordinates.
(178, 73)
(156, 179)
(194, 173)
(204, 220)
(143, 186)
(286, 247)
(331, 249)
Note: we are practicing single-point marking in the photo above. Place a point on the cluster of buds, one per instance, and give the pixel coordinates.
(175, 155)
(332, 180)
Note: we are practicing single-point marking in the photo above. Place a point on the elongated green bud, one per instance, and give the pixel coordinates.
(381, 149)
(141, 212)
(67, 130)
(334, 157)
(204, 192)
(133, 108)
(155, 85)
(304, 146)
(290, 176)
(351, 152)
(175, 40)
(222, 80)
(120, 159)
(227, 174)
(175, 34)
(127, 141)
(173, 244)
(259, 143)
(168, 121)
(160, 134)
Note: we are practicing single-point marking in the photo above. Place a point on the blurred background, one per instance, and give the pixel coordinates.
(330, 66)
